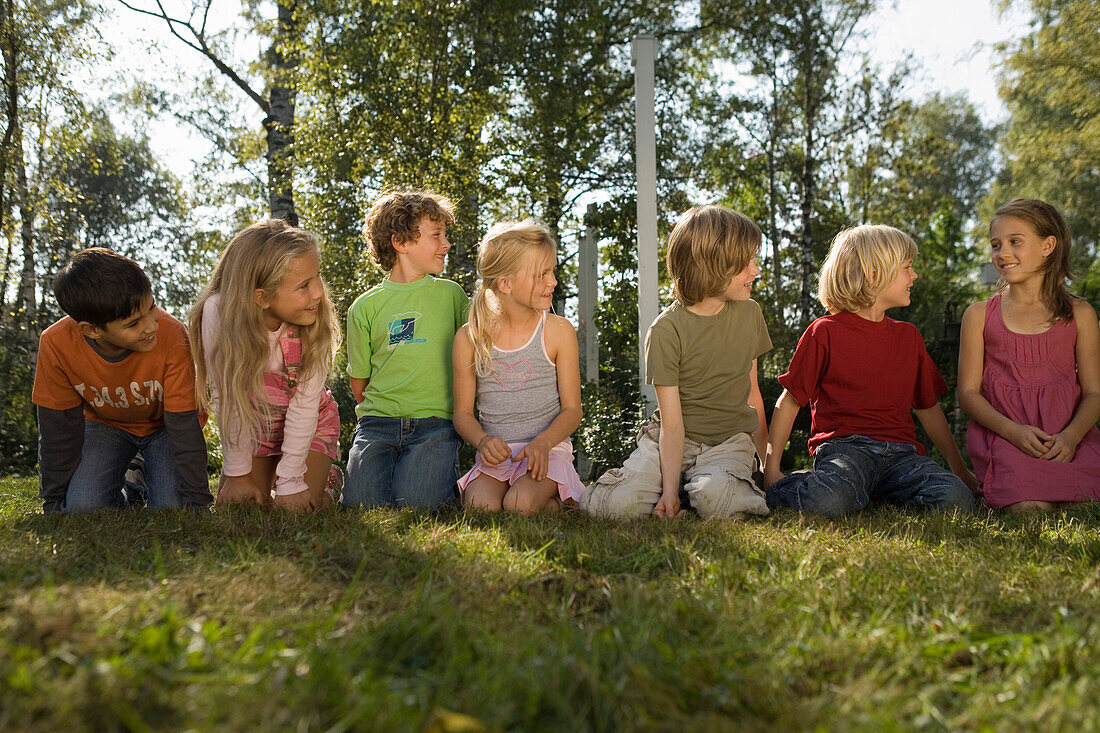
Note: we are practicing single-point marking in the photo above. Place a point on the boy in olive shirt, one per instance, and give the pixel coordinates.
(701, 357)
(400, 333)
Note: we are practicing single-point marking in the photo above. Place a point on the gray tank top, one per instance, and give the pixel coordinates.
(519, 399)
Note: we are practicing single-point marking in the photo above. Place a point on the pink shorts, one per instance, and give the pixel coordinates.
(561, 470)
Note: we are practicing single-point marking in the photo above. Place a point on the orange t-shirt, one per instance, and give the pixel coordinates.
(131, 394)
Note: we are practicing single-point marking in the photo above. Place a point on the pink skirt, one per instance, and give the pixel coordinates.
(561, 470)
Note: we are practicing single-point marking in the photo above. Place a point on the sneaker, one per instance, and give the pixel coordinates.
(134, 487)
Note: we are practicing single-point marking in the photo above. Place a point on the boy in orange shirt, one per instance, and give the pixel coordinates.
(113, 378)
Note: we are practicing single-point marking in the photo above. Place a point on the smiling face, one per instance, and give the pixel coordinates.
(135, 332)
(1018, 252)
(533, 286)
(427, 253)
(296, 298)
(740, 287)
(896, 294)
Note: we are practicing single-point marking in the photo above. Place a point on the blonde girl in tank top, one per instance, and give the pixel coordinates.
(519, 365)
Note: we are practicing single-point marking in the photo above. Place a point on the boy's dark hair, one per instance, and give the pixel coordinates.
(100, 286)
(398, 213)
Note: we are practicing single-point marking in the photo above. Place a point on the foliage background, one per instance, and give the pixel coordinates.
(516, 108)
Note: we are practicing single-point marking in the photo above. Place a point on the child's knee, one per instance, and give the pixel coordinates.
(481, 502)
(947, 493)
(724, 494)
(807, 492)
(621, 493)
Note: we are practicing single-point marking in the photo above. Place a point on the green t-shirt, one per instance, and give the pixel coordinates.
(709, 358)
(399, 338)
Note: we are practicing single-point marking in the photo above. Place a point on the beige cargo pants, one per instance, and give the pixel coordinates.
(717, 478)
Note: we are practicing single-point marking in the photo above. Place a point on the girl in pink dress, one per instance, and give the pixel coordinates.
(1029, 370)
(264, 333)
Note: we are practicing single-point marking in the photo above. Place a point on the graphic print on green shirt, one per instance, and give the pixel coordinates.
(402, 330)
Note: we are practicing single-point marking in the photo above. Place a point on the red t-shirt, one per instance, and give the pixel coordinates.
(131, 394)
(862, 378)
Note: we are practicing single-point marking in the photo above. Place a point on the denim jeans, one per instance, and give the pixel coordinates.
(98, 482)
(849, 473)
(402, 461)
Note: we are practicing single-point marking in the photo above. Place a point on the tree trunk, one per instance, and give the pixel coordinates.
(26, 300)
(773, 203)
(5, 147)
(279, 124)
(809, 115)
(554, 213)
(806, 239)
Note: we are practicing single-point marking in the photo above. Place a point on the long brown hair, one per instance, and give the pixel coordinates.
(1047, 222)
(258, 257)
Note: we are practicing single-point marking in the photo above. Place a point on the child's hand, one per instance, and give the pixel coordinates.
(241, 490)
(770, 477)
(969, 479)
(1062, 449)
(537, 454)
(493, 450)
(302, 502)
(1030, 440)
(668, 506)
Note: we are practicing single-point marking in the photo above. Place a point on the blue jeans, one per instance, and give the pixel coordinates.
(402, 461)
(98, 482)
(849, 473)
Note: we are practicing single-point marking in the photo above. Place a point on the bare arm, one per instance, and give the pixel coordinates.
(670, 446)
(493, 450)
(786, 410)
(1064, 444)
(1027, 438)
(358, 386)
(562, 346)
(760, 435)
(935, 424)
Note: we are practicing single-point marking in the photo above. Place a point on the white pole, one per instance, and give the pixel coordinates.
(644, 58)
(588, 294)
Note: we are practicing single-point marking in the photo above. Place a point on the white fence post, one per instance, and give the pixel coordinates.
(644, 58)
(588, 293)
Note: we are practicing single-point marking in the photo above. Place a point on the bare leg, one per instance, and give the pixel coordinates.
(528, 496)
(485, 493)
(1030, 506)
(318, 466)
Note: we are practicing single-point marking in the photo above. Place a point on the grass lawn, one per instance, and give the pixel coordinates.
(383, 620)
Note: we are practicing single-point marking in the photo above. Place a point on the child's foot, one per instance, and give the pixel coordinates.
(335, 482)
(1030, 506)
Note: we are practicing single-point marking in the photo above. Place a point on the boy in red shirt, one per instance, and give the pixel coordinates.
(862, 373)
(113, 378)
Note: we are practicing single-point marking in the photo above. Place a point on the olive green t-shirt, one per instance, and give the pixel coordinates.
(709, 358)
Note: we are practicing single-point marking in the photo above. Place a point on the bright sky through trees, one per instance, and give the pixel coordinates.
(951, 41)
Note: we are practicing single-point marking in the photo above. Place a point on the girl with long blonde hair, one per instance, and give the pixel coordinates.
(263, 333)
(520, 365)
